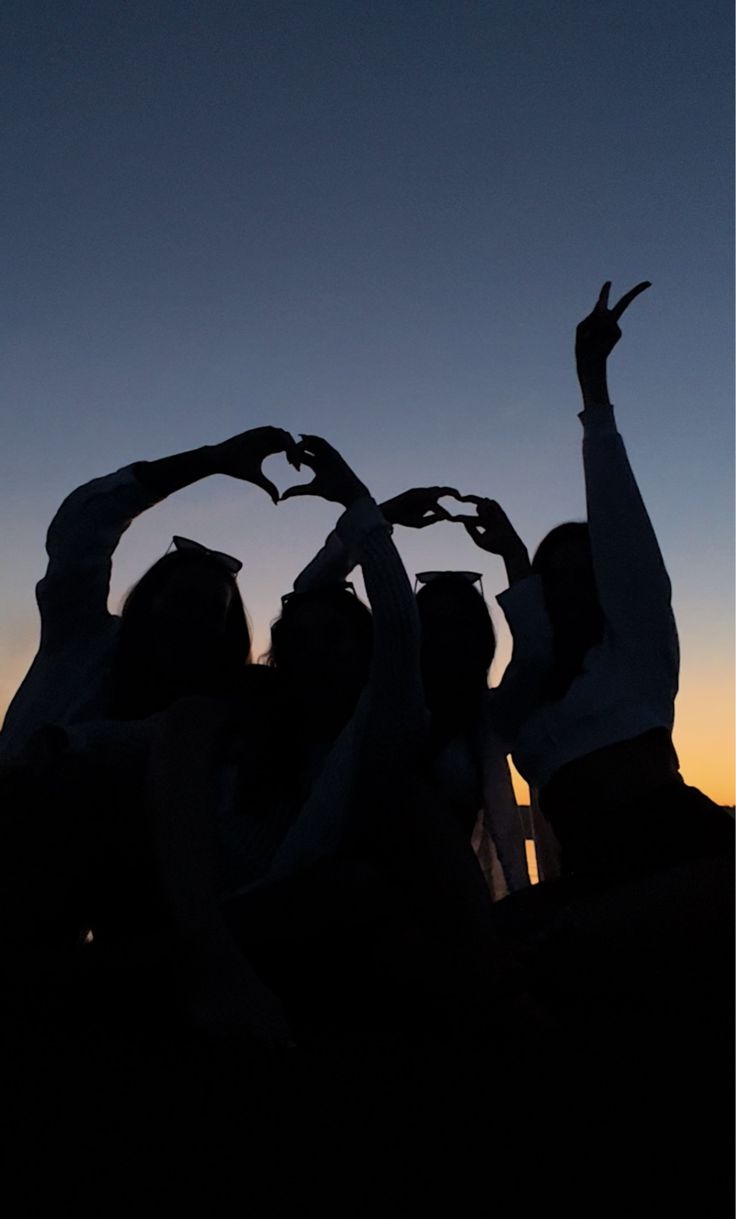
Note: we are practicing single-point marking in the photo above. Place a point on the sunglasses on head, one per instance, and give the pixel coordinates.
(339, 586)
(426, 577)
(228, 561)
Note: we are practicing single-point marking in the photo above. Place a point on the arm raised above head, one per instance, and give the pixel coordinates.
(632, 582)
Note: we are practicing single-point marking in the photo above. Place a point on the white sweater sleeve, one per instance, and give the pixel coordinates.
(633, 586)
(390, 717)
(72, 596)
(395, 695)
(519, 690)
(330, 565)
(66, 680)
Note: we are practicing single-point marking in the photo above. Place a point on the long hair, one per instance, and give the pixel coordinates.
(354, 612)
(479, 635)
(137, 689)
(574, 634)
(455, 673)
(569, 532)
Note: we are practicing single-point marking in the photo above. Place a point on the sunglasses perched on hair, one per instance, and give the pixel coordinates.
(228, 561)
(334, 586)
(426, 577)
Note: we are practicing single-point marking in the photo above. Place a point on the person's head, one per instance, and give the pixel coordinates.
(322, 644)
(458, 640)
(183, 631)
(564, 561)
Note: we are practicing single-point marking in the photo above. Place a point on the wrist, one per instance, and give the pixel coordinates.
(169, 474)
(211, 459)
(593, 385)
(517, 563)
(356, 491)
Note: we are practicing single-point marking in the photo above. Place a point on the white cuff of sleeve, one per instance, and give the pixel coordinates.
(523, 605)
(361, 518)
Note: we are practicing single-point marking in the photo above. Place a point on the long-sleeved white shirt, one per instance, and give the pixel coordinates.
(68, 681)
(390, 718)
(629, 680)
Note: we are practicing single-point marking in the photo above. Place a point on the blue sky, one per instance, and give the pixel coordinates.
(379, 222)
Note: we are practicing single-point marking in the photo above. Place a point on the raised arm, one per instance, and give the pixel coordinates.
(493, 532)
(632, 582)
(523, 606)
(390, 715)
(365, 535)
(415, 508)
(83, 536)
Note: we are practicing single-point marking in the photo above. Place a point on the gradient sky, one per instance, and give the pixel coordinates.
(378, 221)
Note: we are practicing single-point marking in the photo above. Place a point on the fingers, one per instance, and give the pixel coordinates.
(267, 486)
(438, 492)
(473, 529)
(480, 501)
(293, 455)
(270, 440)
(301, 489)
(462, 518)
(305, 459)
(431, 518)
(628, 297)
(491, 510)
(314, 444)
(284, 439)
(602, 302)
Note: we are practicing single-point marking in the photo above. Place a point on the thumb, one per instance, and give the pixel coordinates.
(260, 480)
(300, 489)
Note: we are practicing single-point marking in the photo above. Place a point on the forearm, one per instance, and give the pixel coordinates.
(390, 711)
(593, 381)
(395, 694)
(80, 543)
(330, 565)
(632, 581)
(516, 562)
(522, 685)
(170, 474)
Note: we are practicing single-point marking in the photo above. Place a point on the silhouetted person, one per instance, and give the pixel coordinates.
(359, 697)
(598, 743)
(471, 724)
(466, 752)
(183, 629)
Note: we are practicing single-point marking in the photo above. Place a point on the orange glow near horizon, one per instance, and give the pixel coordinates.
(704, 725)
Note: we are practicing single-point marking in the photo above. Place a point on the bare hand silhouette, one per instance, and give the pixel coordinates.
(242, 456)
(599, 332)
(333, 479)
(595, 338)
(418, 507)
(490, 528)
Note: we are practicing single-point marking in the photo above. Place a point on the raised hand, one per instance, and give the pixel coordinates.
(333, 478)
(595, 338)
(418, 507)
(242, 456)
(492, 530)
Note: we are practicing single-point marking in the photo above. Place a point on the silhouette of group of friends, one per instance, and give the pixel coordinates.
(284, 860)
